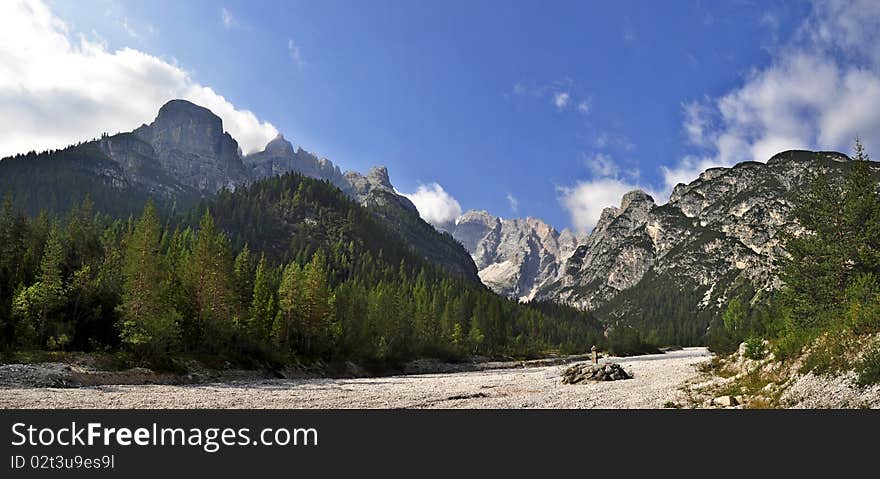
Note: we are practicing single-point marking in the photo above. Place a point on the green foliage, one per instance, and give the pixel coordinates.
(288, 268)
(831, 295)
(840, 247)
(263, 305)
(734, 315)
(755, 349)
(149, 324)
(868, 367)
(628, 341)
(662, 308)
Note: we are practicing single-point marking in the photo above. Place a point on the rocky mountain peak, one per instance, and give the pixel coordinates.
(473, 226)
(378, 177)
(515, 256)
(279, 146)
(178, 113)
(189, 143)
(636, 199)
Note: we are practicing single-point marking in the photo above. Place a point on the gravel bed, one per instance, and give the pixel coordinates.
(657, 381)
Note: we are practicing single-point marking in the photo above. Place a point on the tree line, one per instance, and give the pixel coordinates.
(289, 268)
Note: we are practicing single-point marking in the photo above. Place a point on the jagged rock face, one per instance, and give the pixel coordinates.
(190, 144)
(139, 167)
(375, 190)
(515, 257)
(716, 233)
(279, 158)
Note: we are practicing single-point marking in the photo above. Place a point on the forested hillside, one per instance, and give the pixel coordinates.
(56, 179)
(287, 268)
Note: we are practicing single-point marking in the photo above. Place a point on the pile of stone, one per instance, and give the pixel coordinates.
(594, 372)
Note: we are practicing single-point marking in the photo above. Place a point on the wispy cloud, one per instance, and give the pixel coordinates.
(629, 33)
(561, 99)
(584, 106)
(602, 165)
(613, 140)
(513, 202)
(226, 18)
(295, 54)
(562, 94)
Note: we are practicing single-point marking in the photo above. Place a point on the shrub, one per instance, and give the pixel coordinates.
(791, 344)
(868, 368)
(755, 349)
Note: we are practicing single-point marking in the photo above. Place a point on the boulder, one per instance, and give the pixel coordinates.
(725, 401)
(580, 372)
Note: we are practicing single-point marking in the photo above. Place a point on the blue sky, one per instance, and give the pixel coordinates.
(546, 109)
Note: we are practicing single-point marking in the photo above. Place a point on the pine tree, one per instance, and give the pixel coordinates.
(149, 325)
(244, 270)
(841, 242)
(316, 307)
(288, 319)
(862, 213)
(37, 305)
(209, 274)
(262, 310)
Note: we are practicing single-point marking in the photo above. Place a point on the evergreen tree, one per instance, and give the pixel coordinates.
(149, 325)
(37, 305)
(288, 319)
(262, 310)
(208, 274)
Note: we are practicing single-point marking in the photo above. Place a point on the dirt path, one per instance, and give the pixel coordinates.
(657, 381)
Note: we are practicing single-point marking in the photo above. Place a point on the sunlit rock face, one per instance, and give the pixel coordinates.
(715, 234)
(515, 257)
(189, 144)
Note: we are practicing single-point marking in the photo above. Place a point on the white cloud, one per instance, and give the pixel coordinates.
(295, 54)
(584, 107)
(435, 205)
(602, 165)
(57, 88)
(560, 99)
(586, 199)
(606, 140)
(227, 18)
(821, 89)
(697, 115)
(513, 202)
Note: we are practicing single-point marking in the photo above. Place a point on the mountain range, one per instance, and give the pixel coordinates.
(657, 266)
(185, 156)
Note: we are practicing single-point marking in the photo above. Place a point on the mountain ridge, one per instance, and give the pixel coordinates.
(184, 156)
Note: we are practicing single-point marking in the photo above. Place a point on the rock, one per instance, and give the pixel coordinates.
(190, 144)
(594, 372)
(733, 215)
(515, 257)
(725, 401)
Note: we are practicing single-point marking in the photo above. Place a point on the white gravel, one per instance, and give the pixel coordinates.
(830, 392)
(658, 379)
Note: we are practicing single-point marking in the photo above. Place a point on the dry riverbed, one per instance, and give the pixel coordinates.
(657, 382)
